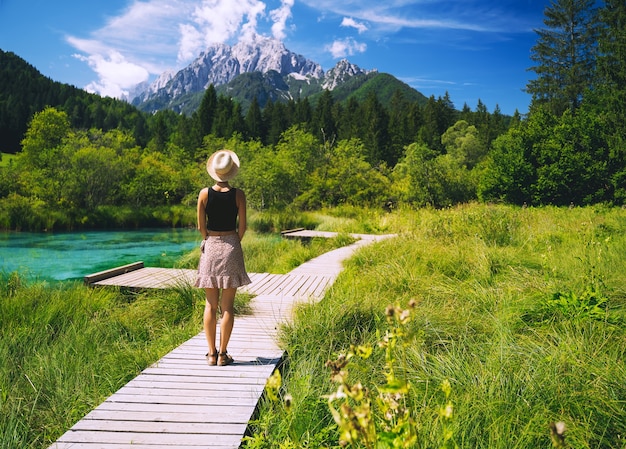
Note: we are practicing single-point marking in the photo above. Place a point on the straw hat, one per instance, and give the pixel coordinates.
(223, 165)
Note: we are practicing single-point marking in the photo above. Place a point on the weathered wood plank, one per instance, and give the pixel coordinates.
(101, 275)
(217, 414)
(61, 445)
(173, 439)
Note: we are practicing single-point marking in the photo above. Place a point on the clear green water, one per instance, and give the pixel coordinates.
(63, 256)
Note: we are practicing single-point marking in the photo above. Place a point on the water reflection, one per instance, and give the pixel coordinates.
(62, 256)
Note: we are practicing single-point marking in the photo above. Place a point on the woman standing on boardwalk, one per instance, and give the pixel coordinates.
(222, 223)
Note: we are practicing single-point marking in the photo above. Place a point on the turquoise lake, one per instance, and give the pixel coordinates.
(72, 255)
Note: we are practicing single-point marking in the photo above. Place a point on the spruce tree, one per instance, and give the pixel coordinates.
(565, 55)
(254, 121)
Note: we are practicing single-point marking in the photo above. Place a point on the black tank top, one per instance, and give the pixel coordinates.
(221, 210)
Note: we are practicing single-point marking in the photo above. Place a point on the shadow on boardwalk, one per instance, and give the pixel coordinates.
(180, 401)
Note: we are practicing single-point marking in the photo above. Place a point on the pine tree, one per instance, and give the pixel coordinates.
(612, 90)
(324, 125)
(376, 132)
(612, 58)
(254, 121)
(203, 120)
(565, 55)
(398, 126)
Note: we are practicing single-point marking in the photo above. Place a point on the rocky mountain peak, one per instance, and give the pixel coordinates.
(339, 74)
(221, 63)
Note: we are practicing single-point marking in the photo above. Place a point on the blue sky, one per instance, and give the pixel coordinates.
(472, 49)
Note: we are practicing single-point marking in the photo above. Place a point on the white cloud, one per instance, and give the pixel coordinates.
(280, 17)
(151, 36)
(346, 47)
(190, 41)
(350, 22)
(221, 20)
(116, 74)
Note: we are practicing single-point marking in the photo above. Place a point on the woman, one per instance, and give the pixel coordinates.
(221, 268)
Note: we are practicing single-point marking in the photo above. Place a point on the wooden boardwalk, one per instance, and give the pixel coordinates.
(180, 401)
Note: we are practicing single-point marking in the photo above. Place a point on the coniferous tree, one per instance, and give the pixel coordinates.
(565, 55)
(376, 134)
(254, 121)
(611, 100)
(237, 124)
(275, 121)
(324, 126)
(303, 112)
(203, 119)
(222, 121)
(350, 121)
(160, 132)
(438, 116)
(414, 120)
(398, 126)
(182, 135)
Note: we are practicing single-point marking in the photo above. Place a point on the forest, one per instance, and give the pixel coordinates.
(90, 162)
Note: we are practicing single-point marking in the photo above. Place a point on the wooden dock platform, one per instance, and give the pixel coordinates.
(180, 401)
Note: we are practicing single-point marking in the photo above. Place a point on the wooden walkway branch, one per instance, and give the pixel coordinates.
(180, 401)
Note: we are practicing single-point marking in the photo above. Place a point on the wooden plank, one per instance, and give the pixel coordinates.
(133, 445)
(270, 285)
(172, 439)
(215, 413)
(185, 400)
(206, 418)
(171, 427)
(60, 445)
(101, 275)
(290, 231)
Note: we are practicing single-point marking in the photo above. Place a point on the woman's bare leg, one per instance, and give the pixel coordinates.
(210, 317)
(227, 304)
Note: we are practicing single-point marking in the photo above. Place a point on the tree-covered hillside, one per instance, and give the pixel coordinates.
(25, 91)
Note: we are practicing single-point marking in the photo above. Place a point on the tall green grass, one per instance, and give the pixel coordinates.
(65, 348)
(522, 311)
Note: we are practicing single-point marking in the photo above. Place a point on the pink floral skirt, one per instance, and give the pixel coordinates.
(221, 263)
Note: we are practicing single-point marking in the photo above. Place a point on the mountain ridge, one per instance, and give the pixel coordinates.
(263, 68)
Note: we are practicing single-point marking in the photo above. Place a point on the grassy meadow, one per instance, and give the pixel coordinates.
(479, 326)
(505, 323)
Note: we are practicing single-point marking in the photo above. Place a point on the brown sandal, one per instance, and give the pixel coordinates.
(211, 358)
(224, 359)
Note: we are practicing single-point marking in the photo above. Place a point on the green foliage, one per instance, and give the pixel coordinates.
(382, 419)
(346, 178)
(590, 303)
(25, 91)
(280, 220)
(550, 160)
(426, 178)
(46, 132)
